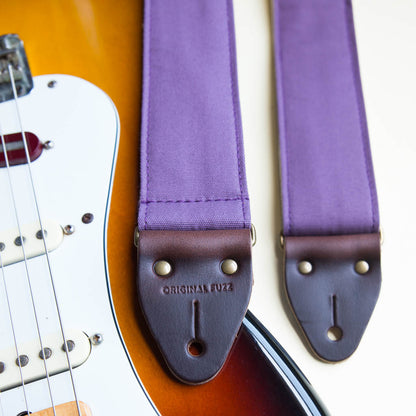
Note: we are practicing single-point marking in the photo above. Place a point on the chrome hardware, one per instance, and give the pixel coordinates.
(69, 229)
(97, 339)
(13, 53)
(136, 237)
(48, 145)
(253, 235)
(87, 218)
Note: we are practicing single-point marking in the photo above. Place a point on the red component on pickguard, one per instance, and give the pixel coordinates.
(16, 150)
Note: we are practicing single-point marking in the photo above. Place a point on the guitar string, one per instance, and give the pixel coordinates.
(16, 347)
(12, 195)
(1, 406)
(6, 292)
(29, 167)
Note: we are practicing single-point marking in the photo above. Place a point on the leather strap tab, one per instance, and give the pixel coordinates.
(327, 179)
(330, 289)
(195, 310)
(192, 181)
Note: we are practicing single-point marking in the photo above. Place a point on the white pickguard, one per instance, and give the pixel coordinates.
(71, 179)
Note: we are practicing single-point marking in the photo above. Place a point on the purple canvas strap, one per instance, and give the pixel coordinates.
(194, 277)
(329, 201)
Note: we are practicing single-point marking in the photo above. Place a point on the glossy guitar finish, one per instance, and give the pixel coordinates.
(100, 40)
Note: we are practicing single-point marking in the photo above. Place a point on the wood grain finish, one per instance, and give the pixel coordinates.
(66, 409)
(100, 41)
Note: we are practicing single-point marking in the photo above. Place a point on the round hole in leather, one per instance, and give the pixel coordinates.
(196, 348)
(334, 333)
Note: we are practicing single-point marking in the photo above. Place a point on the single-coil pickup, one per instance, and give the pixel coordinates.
(11, 250)
(32, 358)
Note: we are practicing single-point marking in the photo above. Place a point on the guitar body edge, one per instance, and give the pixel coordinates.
(71, 179)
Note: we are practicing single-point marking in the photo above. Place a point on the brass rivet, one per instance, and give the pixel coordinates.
(305, 267)
(253, 235)
(282, 241)
(362, 267)
(162, 268)
(229, 266)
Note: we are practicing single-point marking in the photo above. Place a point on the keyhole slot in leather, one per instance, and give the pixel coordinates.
(334, 333)
(196, 348)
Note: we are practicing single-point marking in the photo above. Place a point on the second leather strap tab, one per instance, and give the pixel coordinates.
(194, 310)
(333, 283)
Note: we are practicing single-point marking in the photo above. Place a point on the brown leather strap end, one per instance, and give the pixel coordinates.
(333, 283)
(194, 288)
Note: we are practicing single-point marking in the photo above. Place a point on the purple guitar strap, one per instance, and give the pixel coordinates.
(329, 201)
(194, 246)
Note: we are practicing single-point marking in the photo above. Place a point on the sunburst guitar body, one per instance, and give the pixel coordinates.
(90, 268)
